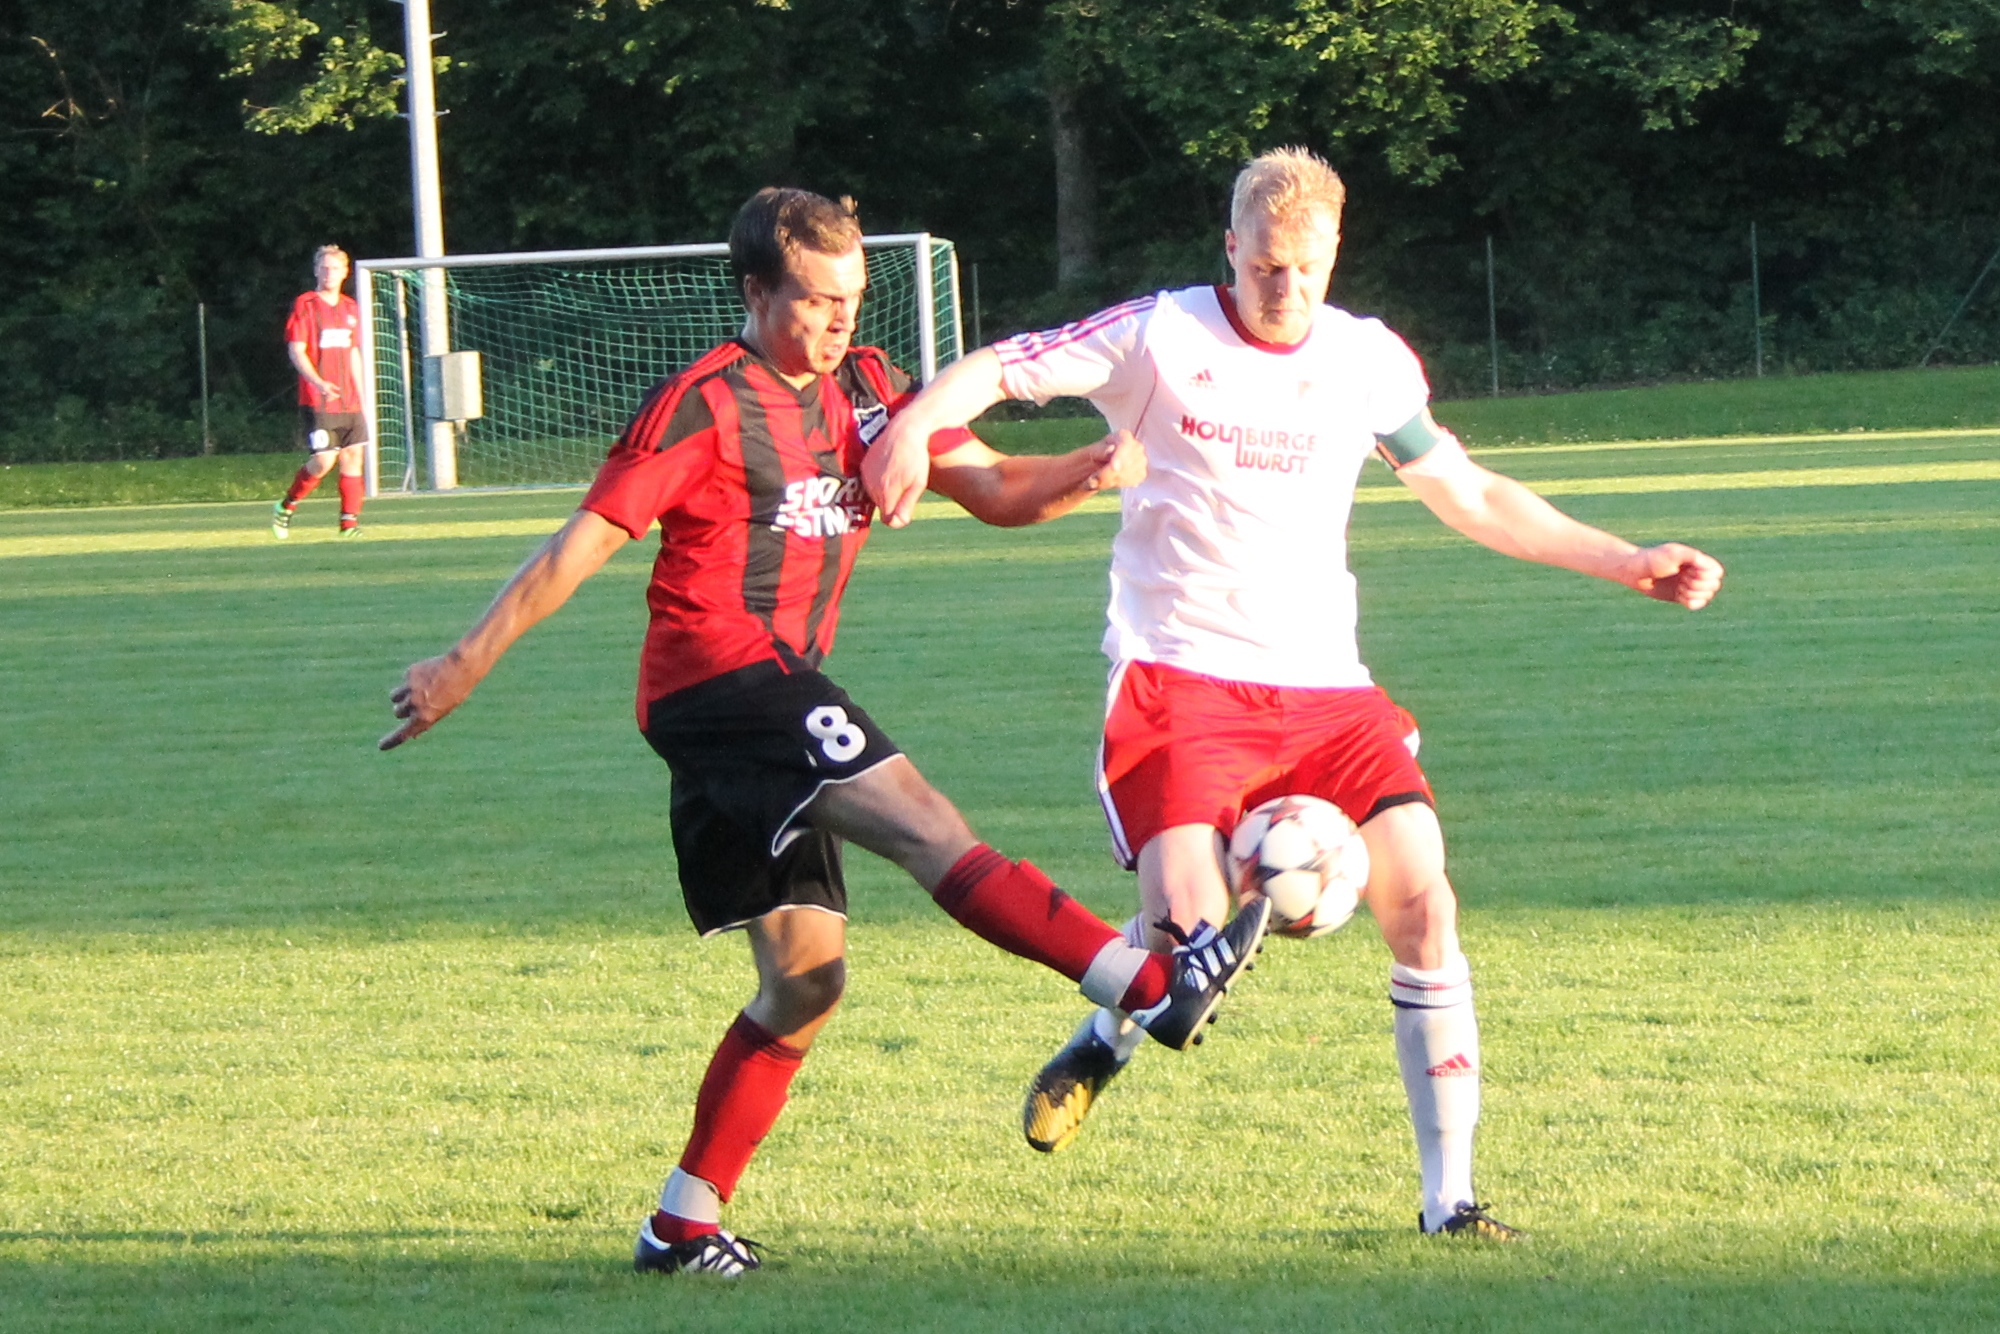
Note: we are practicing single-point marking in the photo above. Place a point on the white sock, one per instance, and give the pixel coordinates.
(690, 1197)
(1114, 1028)
(1135, 930)
(1437, 1046)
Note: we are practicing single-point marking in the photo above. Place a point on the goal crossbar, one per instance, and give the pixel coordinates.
(913, 310)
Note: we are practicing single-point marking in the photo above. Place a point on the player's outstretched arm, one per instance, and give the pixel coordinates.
(897, 467)
(434, 687)
(1500, 513)
(1013, 490)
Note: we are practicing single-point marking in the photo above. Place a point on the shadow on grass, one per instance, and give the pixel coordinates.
(325, 1287)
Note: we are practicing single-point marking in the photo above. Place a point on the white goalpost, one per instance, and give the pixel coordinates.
(520, 369)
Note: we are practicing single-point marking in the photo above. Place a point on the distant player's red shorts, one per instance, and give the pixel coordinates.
(1182, 748)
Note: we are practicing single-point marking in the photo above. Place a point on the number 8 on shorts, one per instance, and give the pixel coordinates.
(840, 739)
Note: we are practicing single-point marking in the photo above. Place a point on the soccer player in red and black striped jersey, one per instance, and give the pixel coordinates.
(323, 339)
(750, 461)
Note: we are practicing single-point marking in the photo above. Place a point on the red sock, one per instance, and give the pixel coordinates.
(352, 491)
(671, 1228)
(302, 486)
(741, 1096)
(1013, 905)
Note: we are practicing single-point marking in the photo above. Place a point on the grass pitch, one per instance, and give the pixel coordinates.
(299, 1034)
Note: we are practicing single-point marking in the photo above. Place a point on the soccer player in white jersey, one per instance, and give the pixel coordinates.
(1236, 675)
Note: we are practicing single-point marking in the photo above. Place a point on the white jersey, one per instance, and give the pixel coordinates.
(1232, 558)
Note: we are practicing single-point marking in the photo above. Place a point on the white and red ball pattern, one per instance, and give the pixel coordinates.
(1304, 855)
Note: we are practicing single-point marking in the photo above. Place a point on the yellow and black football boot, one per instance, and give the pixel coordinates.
(1472, 1220)
(1062, 1093)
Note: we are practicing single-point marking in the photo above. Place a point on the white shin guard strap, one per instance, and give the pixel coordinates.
(1110, 974)
(690, 1197)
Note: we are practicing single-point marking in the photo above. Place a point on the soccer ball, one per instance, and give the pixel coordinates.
(1305, 856)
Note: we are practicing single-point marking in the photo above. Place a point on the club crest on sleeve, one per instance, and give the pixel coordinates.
(869, 421)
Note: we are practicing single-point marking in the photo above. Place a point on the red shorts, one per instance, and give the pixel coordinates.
(1182, 748)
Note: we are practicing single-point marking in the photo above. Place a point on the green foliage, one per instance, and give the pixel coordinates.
(150, 482)
(351, 78)
(1230, 79)
(162, 155)
(138, 196)
(1663, 63)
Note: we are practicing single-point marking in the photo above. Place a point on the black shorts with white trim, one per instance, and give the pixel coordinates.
(749, 750)
(324, 430)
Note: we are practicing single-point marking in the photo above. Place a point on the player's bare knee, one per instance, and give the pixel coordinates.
(1419, 921)
(1181, 876)
(809, 995)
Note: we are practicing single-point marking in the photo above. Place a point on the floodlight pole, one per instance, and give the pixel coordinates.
(428, 201)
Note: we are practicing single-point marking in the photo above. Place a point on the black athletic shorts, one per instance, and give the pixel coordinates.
(325, 430)
(749, 750)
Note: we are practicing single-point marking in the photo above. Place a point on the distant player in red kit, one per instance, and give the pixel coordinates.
(323, 337)
(749, 461)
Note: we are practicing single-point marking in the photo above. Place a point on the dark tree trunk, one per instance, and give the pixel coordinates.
(1076, 188)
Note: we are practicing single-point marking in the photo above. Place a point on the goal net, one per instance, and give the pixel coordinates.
(570, 341)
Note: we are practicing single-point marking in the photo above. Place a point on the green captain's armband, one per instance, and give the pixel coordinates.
(1412, 440)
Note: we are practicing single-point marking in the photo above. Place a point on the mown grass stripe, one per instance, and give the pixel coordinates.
(1734, 441)
(1892, 474)
(1888, 474)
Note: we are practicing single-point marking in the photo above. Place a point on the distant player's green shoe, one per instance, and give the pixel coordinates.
(281, 521)
(350, 530)
(1472, 1220)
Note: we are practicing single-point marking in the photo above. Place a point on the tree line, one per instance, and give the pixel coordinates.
(161, 156)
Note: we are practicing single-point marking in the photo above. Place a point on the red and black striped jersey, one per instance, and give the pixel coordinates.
(331, 334)
(757, 490)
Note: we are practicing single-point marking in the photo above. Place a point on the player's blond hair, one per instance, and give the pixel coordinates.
(1286, 185)
(324, 251)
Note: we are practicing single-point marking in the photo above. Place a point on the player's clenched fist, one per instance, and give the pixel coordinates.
(1674, 573)
(896, 470)
(1121, 462)
(430, 690)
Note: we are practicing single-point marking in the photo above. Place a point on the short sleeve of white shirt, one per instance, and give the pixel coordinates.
(1398, 390)
(1096, 358)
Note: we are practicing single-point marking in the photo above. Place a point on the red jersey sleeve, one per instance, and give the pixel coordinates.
(299, 325)
(901, 390)
(943, 442)
(667, 452)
